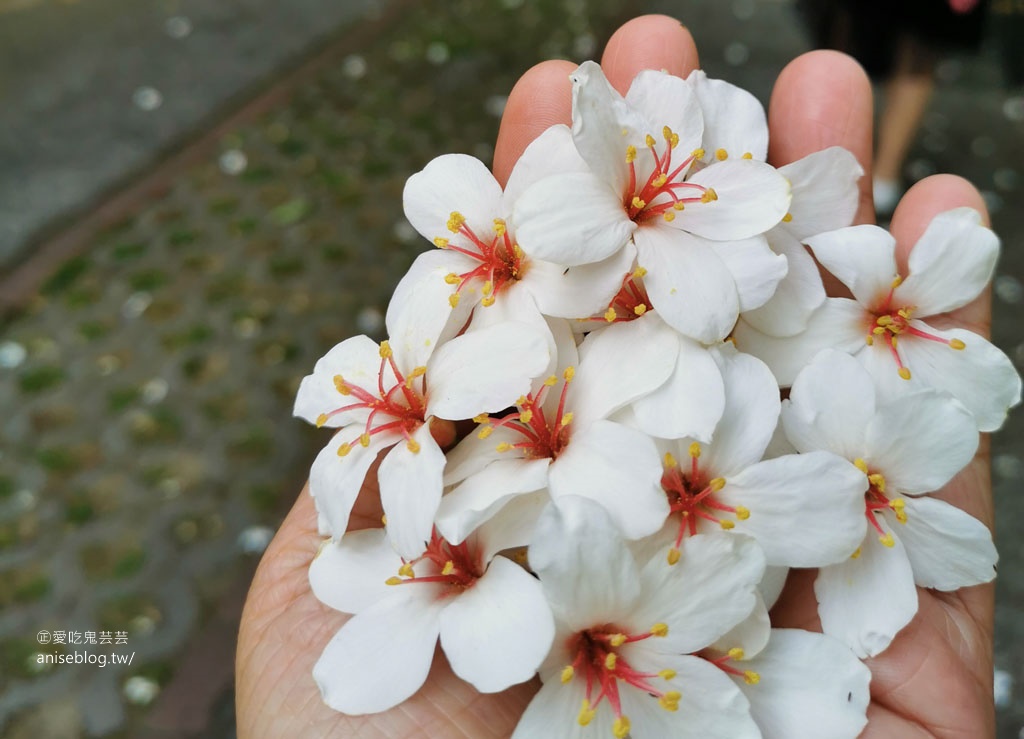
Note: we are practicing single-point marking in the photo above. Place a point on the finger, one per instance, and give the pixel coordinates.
(541, 98)
(648, 42)
(823, 99)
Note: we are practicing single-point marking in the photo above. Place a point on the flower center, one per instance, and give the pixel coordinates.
(876, 501)
(692, 496)
(603, 667)
(457, 566)
(543, 437)
(631, 301)
(397, 404)
(722, 663)
(664, 192)
(501, 261)
(892, 321)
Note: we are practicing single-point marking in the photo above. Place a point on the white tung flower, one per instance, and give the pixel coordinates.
(623, 663)
(904, 448)
(697, 230)
(948, 267)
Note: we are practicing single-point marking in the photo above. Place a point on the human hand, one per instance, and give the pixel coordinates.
(936, 678)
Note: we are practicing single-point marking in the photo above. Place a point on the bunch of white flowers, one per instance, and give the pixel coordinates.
(618, 322)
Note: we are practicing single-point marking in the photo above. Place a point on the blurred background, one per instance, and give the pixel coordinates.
(199, 197)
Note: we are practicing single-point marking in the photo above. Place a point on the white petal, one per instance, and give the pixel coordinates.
(553, 152)
(689, 285)
(830, 406)
(576, 292)
(349, 575)
(620, 364)
(751, 634)
(334, 481)
(806, 510)
(772, 584)
(666, 100)
(948, 548)
(552, 714)
(862, 257)
(496, 633)
(755, 268)
(512, 527)
(452, 183)
(472, 454)
(825, 193)
(839, 323)
(864, 602)
(950, 264)
(588, 573)
(980, 376)
(920, 441)
(357, 359)
(482, 495)
(734, 120)
(381, 656)
(485, 371)
(796, 296)
(750, 415)
(691, 401)
(410, 490)
(811, 687)
(618, 468)
(719, 574)
(752, 197)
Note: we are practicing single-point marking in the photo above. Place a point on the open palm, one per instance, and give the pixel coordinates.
(936, 678)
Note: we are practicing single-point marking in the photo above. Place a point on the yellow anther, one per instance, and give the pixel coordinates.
(673, 556)
(321, 420)
(521, 401)
(670, 461)
(610, 660)
(660, 180)
(897, 282)
(787, 218)
(717, 484)
(736, 653)
(893, 340)
(481, 418)
(667, 674)
(870, 340)
(566, 420)
(697, 154)
(666, 133)
(383, 520)
(726, 524)
(455, 221)
(586, 714)
(364, 440)
(742, 513)
(406, 570)
(904, 372)
(649, 140)
(569, 373)
(394, 581)
(620, 727)
(499, 227)
(709, 195)
(878, 480)
(674, 141)
(630, 154)
(897, 504)
(659, 629)
(861, 465)
(567, 674)
(678, 205)
(449, 568)
(670, 701)
(385, 350)
(957, 344)
(453, 299)
(747, 155)
(413, 446)
(344, 449)
(617, 640)
(526, 416)
(441, 242)
(669, 216)
(416, 372)
(721, 155)
(452, 279)
(609, 315)
(485, 432)
(341, 386)
(884, 320)
(488, 301)
(695, 450)
(640, 309)
(639, 272)
(503, 447)
(878, 330)
(751, 678)
(887, 541)
(551, 381)
(856, 553)
(638, 203)
(488, 288)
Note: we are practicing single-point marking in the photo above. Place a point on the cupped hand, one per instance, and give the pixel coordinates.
(936, 678)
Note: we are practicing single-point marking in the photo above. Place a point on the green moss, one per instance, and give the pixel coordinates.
(291, 211)
(128, 250)
(93, 330)
(66, 275)
(41, 378)
(122, 397)
(149, 279)
(57, 459)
